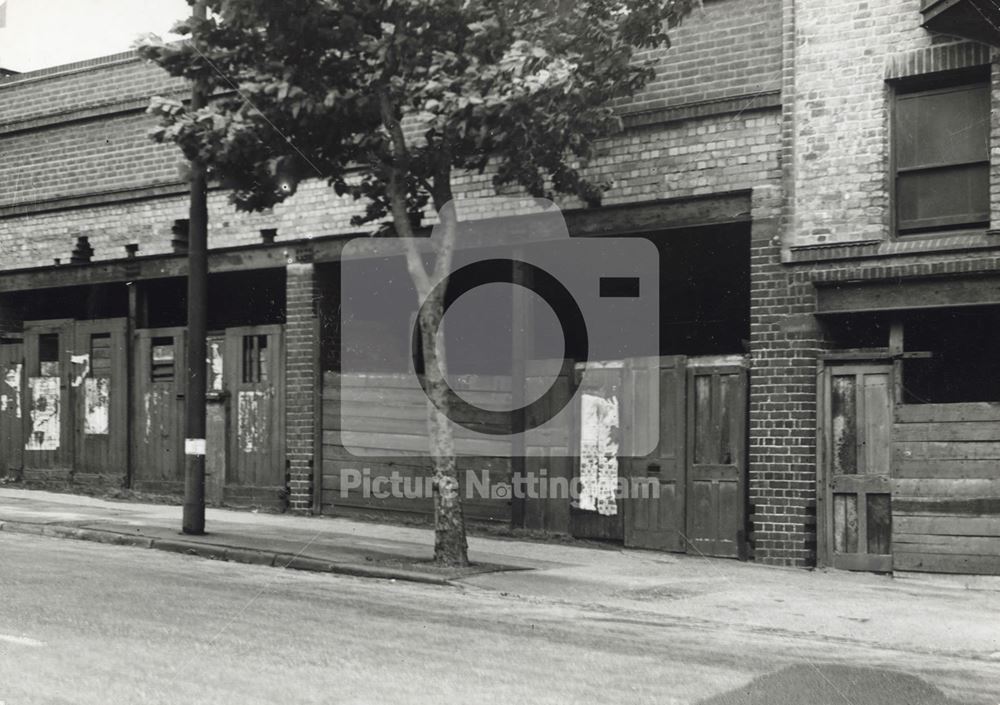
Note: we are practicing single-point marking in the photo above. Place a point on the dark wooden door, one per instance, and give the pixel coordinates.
(159, 409)
(48, 441)
(594, 515)
(856, 406)
(254, 367)
(654, 510)
(716, 467)
(11, 408)
(99, 390)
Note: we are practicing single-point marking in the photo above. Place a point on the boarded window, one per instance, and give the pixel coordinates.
(255, 358)
(162, 360)
(100, 355)
(48, 355)
(941, 140)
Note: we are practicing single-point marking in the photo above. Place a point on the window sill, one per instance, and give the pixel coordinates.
(924, 243)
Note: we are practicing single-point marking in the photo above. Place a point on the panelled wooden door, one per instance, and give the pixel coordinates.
(856, 403)
(99, 390)
(254, 368)
(159, 387)
(11, 408)
(655, 514)
(716, 467)
(48, 435)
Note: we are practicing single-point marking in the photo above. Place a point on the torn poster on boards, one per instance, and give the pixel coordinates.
(45, 431)
(599, 453)
(252, 421)
(97, 405)
(13, 381)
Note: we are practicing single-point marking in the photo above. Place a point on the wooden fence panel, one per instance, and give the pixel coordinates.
(946, 488)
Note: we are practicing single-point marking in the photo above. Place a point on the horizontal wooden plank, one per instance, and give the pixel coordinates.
(944, 489)
(946, 468)
(932, 543)
(918, 294)
(950, 431)
(967, 411)
(946, 525)
(415, 427)
(946, 563)
(415, 397)
(942, 450)
(417, 443)
(963, 506)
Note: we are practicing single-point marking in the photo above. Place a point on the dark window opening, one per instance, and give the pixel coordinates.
(48, 355)
(162, 360)
(963, 362)
(941, 153)
(100, 355)
(234, 299)
(81, 303)
(254, 359)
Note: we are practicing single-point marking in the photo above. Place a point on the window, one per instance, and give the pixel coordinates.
(48, 355)
(941, 152)
(254, 359)
(161, 360)
(100, 355)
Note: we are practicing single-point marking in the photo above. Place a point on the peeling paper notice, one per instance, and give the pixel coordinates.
(44, 414)
(252, 419)
(81, 360)
(599, 454)
(97, 405)
(13, 380)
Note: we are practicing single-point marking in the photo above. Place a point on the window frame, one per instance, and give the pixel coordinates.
(915, 87)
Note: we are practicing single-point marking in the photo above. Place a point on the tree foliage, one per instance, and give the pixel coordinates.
(318, 87)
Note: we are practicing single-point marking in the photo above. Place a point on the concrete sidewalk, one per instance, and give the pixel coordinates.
(922, 615)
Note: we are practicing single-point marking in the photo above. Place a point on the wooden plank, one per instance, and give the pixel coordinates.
(931, 543)
(946, 563)
(484, 383)
(946, 469)
(403, 442)
(951, 431)
(963, 506)
(944, 450)
(919, 294)
(946, 525)
(944, 489)
(966, 411)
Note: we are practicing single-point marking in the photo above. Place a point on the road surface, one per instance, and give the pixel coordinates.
(90, 623)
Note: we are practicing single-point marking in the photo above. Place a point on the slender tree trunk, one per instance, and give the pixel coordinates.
(450, 545)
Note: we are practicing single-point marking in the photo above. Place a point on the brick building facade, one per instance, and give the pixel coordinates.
(767, 131)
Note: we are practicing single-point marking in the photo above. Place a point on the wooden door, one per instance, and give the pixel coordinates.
(856, 417)
(594, 514)
(48, 439)
(99, 389)
(158, 401)
(716, 467)
(655, 520)
(254, 368)
(11, 408)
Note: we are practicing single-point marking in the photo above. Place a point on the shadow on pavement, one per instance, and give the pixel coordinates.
(826, 684)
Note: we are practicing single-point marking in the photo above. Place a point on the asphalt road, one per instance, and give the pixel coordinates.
(89, 623)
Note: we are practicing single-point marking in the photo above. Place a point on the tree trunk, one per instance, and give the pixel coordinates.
(450, 545)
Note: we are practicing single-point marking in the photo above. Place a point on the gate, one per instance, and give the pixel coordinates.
(255, 380)
(11, 405)
(695, 496)
(158, 389)
(48, 433)
(100, 389)
(856, 405)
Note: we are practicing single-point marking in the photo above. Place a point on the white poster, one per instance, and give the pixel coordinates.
(45, 395)
(598, 453)
(97, 405)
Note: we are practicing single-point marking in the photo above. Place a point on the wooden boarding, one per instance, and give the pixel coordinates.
(100, 397)
(946, 495)
(158, 390)
(12, 418)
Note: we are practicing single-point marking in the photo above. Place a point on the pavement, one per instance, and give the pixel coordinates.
(937, 618)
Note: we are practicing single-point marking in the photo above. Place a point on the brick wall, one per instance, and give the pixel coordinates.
(844, 50)
(301, 378)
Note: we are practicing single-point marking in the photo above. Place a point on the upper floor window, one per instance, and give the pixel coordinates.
(941, 140)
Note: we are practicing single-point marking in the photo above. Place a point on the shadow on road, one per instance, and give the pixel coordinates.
(826, 684)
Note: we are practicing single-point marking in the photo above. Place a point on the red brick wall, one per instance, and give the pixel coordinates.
(301, 380)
